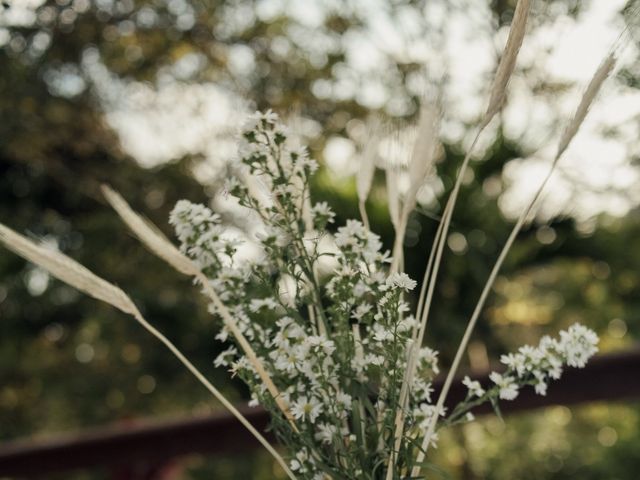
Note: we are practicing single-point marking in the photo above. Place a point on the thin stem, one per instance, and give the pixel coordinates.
(446, 222)
(216, 393)
(363, 213)
(251, 354)
(427, 273)
(397, 253)
(359, 354)
(433, 266)
(476, 314)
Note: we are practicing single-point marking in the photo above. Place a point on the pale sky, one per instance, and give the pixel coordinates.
(161, 123)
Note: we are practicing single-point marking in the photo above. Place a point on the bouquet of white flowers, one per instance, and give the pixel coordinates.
(339, 348)
(318, 324)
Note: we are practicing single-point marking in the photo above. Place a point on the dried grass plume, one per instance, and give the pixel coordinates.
(66, 270)
(508, 60)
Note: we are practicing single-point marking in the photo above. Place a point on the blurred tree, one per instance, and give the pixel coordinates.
(67, 362)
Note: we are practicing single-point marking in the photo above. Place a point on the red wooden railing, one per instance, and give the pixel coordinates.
(139, 451)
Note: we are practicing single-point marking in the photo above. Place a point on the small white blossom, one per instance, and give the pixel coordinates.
(298, 464)
(322, 209)
(381, 334)
(325, 433)
(401, 280)
(508, 388)
(307, 408)
(578, 344)
(371, 359)
(360, 288)
(361, 311)
(475, 389)
(223, 359)
(344, 399)
(258, 303)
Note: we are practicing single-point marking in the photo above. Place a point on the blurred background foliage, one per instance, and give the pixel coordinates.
(68, 362)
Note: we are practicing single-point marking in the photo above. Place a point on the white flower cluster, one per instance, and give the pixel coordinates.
(336, 348)
(538, 365)
(339, 349)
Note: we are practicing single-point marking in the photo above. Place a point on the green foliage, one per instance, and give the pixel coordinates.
(67, 362)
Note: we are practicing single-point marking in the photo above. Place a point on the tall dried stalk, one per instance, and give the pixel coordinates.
(433, 266)
(498, 93)
(158, 244)
(508, 60)
(601, 74)
(367, 167)
(589, 95)
(81, 278)
(393, 196)
(421, 164)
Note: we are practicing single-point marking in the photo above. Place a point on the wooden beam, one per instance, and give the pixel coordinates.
(611, 377)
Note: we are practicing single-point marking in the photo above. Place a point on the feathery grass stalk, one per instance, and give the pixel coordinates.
(81, 278)
(601, 74)
(421, 163)
(66, 269)
(219, 396)
(498, 93)
(427, 272)
(367, 167)
(163, 248)
(474, 318)
(440, 241)
(411, 365)
(393, 197)
(437, 247)
(508, 60)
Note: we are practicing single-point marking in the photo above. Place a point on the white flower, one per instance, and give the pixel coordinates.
(422, 390)
(401, 280)
(514, 361)
(360, 289)
(320, 341)
(475, 389)
(322, 209)
(325, 433)
(545, 361)
(223, 358)
(406, 324)
(541, 388)
(307, 408)
(384, 299)
(578, 344)
(425, 412)
(428, 358)
(508, 389)
(222, 335)
(381, 334)
(254, 120)
(257, 303)
(289, 358)
(356, 238)
(361, 311)
(344, 399)
(371, 359)
(298, 463)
